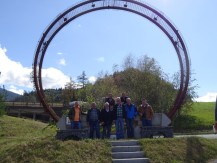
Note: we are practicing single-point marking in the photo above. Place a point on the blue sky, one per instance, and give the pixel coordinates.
(98, 40)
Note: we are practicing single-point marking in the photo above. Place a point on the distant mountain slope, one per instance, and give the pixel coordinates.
(9, 96)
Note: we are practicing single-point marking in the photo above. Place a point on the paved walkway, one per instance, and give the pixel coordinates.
(208, 136)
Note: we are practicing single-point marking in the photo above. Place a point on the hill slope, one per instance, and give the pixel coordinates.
(8, 95)
(201, 117)
(22, 140)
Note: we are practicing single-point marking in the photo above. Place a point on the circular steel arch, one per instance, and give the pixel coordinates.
(134, 6)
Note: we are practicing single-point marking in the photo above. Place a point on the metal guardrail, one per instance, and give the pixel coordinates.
(31, 104)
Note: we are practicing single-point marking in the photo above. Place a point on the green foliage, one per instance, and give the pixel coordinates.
(179, 150)
(68, 93)
(144, 79)
(189, 122)
(85, 106)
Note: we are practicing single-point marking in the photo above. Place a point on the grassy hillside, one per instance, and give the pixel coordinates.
(201, 117)
(205, 111)
(180, 150)
(23, 140)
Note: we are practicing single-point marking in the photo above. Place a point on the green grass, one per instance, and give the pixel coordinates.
(201, 117)
(23, 140)
(205, 111)
(180, 150)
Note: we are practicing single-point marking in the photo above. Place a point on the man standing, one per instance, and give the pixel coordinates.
(119, 116)
(124, 98)
(75, 116)
(93, 117)
(146, 113)
(110, 100)
(131, 112)
(106, 119)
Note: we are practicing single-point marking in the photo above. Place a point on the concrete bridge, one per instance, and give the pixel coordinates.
(32, 110)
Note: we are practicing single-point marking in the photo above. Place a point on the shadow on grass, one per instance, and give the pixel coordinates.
(189, 122)
(195, 151)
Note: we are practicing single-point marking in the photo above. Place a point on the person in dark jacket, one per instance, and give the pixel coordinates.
(131, 112)
(124, 98)
(93, 118)
(110, 100)
(106, 120)
(119, 116)
(75, 116)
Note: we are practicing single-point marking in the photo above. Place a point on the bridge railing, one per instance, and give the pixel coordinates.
(31, 104)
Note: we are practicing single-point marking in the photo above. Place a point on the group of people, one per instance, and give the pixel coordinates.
(119, 111)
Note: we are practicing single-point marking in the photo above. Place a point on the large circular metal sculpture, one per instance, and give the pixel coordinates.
(133, 6)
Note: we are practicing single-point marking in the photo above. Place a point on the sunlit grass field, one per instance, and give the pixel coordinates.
(205, 111)
(200, 118)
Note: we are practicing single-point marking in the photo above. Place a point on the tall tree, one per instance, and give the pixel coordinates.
(68, 93)
(144, 79)
(83, 79)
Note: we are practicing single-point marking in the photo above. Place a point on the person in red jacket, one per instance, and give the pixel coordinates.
(75, 116)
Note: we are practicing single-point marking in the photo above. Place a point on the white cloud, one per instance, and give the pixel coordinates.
(14, 75)
(14, 89)
(209, 97)
(59, 53)
(62, 62)
(92, 79)
(101, 59)
(54, 78)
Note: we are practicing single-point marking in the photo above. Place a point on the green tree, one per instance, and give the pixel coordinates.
(143, 79)
(69, 92)
(83, 80)
(191, 93)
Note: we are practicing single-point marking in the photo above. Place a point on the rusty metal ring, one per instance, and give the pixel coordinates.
(136, 7)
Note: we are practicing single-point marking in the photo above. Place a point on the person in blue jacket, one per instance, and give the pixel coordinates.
(131, 112)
